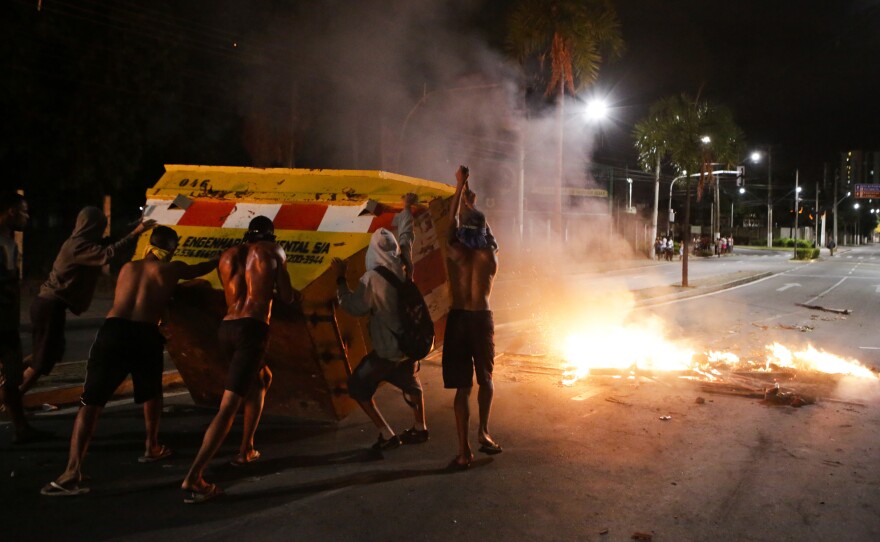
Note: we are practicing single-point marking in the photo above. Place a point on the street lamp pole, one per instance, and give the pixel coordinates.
(797, 190)
(629, 197)
(769, 197)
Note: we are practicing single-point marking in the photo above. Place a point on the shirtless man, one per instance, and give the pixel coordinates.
(468, 347)
(129, 342)
(250, 272)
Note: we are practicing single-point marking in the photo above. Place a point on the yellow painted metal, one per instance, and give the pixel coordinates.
(279, 185)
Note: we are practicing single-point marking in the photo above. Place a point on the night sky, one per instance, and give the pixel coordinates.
(799, 75)
(98, 95)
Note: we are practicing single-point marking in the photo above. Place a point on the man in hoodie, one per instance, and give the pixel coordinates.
(377, 297)
(251, 273)
(472, 262)
(129, 342)
(13, 218)
(71, 285)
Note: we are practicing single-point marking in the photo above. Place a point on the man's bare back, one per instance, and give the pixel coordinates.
(471, 274)
(250, 273)
(144, 287)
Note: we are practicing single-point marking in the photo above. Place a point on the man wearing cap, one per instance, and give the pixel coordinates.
(250, 272)
(129, 342)
(468, 346)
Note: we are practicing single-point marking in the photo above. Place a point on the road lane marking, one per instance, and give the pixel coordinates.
(870, 347)
(787, 286)
(826, 291)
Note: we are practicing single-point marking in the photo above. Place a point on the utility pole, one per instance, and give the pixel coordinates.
(834, 207)
(816, 232)
(769, 196)
(796, 193)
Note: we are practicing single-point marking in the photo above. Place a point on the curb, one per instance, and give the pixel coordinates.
(72, 323)
(69, 395)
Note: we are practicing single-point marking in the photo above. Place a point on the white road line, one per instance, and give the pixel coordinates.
(826, 291)
(870, 347)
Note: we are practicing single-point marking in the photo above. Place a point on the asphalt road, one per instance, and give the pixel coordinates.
(592, 461)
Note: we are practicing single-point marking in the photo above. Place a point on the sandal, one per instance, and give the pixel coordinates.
(414, 436)
(198, 497)
(54, 489)
(164, 452)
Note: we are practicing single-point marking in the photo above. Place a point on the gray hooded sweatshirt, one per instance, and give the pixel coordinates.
(376, 297)
(78, 265)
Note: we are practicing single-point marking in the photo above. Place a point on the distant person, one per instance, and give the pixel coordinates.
(377, 297)
(71, 286)
(658, 248)
(13, 217)
(251, 273)
(129, 342)
(403, 224)
(469, 347)
(730, 245)
(831, 246)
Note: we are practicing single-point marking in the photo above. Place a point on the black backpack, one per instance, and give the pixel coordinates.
(418, 328)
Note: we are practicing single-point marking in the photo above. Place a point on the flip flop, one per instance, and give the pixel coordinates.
(164, 452)
(239, 461)
(198, 497)
(490, 448)
(454, 465)
(54, 489)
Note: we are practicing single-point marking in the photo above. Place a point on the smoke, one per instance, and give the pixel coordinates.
(414, 88)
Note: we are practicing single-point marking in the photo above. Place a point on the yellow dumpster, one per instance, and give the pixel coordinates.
(318, 215)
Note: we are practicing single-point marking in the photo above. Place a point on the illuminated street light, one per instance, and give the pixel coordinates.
(706, 139)
(742, 190)
(756, 157)
(596, 109)
(855, 206)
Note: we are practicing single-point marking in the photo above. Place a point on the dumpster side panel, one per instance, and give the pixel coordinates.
(318, 215)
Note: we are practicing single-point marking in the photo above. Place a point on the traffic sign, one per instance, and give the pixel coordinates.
(865, 191)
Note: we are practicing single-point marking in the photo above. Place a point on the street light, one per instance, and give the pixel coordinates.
(596, 109)
(756, 157)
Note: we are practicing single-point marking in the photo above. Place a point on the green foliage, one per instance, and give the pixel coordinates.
(570, 38)
(806, 253)
(673, 129)
(788, 242)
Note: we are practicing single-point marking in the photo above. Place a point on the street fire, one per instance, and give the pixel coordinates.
(631, 349)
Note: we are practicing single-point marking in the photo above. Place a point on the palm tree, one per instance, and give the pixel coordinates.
(690, 135)
(569, 38)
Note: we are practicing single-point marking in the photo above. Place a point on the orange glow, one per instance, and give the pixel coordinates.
(644, 347)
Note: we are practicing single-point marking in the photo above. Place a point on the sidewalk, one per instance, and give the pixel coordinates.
(64, 385)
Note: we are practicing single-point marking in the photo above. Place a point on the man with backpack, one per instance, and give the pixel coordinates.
(394, 357)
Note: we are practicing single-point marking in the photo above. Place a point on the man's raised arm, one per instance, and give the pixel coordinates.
(461, 177)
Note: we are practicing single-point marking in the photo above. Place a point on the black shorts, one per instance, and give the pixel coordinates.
(124, 347)
(243, 342)
(468, 346)
(48, 316)
(364, 381)
(10, 358)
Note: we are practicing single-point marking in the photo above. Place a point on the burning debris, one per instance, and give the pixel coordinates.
(643, 351)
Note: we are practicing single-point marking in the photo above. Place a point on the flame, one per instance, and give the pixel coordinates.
(644, 347)
(621, 348)
(816, 360)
